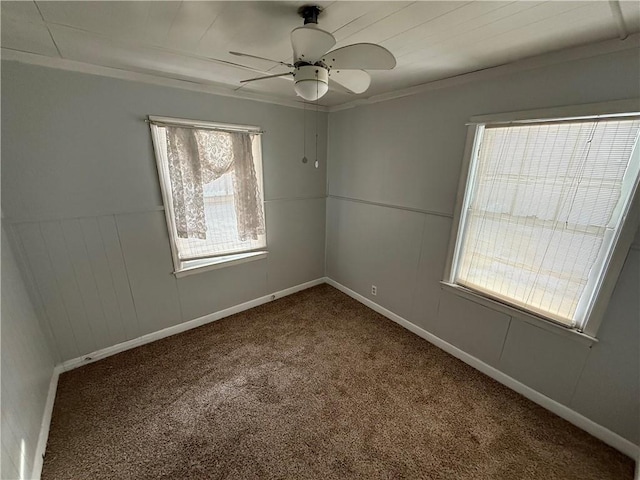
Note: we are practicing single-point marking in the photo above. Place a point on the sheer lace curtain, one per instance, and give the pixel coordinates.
(197, 157)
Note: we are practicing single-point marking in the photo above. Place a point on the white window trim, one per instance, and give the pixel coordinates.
(205, 265)
(182, 268)
(621, 245)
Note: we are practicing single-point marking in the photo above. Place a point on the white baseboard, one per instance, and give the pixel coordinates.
(136, 342)
(197, 322)
(36, 471)
(598, 431)
(607, 436)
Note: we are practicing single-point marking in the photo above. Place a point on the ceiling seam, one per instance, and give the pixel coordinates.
(428, 21)
(378, 21)
(173, 20)
(423, 39)
(501, 19)
(618, 17)
(140, 44)
(218, 15)
(48, 29)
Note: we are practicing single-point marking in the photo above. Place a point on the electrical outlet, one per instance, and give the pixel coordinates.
(374, 290)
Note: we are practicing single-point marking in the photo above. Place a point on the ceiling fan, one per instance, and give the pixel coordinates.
(313, 64)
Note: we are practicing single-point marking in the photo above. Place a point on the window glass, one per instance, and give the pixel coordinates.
(213, 192)
(542, 210)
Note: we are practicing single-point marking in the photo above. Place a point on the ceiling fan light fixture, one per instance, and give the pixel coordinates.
(313, 59)
(311, 82)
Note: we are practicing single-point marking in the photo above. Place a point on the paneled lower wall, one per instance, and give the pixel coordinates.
(403, 254)
(107, 279)
(27, 367)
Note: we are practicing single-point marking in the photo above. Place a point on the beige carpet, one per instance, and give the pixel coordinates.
(312, 386)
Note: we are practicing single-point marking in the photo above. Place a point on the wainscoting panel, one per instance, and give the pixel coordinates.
(147, 254)
(216, 290)
(97, 259)
(295, 240)
(69, 283)
(119, 277)
(531, 353)
(57, 316)
(80, 275)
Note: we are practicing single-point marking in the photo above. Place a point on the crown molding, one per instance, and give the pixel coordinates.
(530, 63)
(121, 74)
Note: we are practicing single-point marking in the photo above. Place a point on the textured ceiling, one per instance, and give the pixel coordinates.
(188, 40)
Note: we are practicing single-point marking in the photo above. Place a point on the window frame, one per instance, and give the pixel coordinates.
(629, 223)
(189, 267)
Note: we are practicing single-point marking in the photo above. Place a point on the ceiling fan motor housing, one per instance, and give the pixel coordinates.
(311, 81)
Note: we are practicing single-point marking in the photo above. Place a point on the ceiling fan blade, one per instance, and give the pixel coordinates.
(240, 54)
(367, 56)
(310, 43)
(268, 76)
(355, 81)
(238, 65)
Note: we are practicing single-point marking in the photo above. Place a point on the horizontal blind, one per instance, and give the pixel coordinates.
(540, 208)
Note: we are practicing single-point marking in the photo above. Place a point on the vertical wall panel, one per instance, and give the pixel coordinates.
(70, 286)
(27, 362)
(373, 245)
(7, 468)
(113, 252)
(30, 284)
(78, 266)
(475, 329)
(147, 254)
(609, 387)
(11, 443)
(103, 278)
(215, 290)
(295, 235)
(47, 285)
(531, 353)
(435, 241)
(86, 281)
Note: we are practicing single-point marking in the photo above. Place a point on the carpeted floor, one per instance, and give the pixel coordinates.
(311, 386)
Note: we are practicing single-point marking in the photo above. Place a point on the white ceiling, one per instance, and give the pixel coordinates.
(183, 40)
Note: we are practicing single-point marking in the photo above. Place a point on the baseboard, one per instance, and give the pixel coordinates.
(41, 447)
(167, 332)
(136, 342)
(607, 436)
(598, 431)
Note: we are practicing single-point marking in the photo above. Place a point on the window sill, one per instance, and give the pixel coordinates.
(530, 318)
(206, 264)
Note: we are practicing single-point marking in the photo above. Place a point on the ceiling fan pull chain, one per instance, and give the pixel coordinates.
(317, 101)
(304, 136)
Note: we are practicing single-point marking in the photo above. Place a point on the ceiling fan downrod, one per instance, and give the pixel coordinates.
(309, 13)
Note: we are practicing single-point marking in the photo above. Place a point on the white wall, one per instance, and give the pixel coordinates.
(27, 366)
(393, 176)
(80, 191)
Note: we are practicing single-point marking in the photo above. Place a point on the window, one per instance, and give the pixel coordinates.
(211, 181)
(543, 208)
